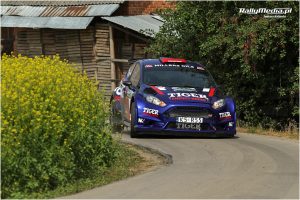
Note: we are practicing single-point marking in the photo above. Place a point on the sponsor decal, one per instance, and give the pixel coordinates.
(188, 126)
(141, 120)
(187, 96)
(188, 66)
(158, 91)
(230, 124)
(225, 115)
(121, 89)
(167, 65)
(205, 90)
(161, 87)
(184, 89)
(151, 112)
(118, 91)
(174, 65)
(117, 98)
(211, 92)
(148, 66)
(129, 93)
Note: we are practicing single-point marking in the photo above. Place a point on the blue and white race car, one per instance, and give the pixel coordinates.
(171, 95)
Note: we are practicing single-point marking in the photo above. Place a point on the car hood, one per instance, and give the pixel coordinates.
(183, 94)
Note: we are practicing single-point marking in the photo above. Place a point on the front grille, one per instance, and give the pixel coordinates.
(189, 112)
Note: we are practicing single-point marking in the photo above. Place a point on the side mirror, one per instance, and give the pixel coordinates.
(127, 83)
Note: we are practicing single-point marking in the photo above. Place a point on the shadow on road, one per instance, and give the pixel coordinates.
(151, 136)
(174, 136)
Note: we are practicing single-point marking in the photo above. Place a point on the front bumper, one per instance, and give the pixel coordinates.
(163, 121)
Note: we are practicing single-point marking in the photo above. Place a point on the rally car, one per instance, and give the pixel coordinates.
(171, 95)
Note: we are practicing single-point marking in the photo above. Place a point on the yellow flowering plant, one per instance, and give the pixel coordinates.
(53, 125)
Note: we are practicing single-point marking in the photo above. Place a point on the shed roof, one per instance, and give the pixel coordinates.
(46, 22)
(59, 17)
(144, 24)
(59, 11)
(58, 2)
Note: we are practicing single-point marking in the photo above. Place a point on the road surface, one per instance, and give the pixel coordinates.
(248, 166)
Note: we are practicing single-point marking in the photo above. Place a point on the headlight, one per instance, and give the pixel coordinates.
(218, 104)
(155, 101)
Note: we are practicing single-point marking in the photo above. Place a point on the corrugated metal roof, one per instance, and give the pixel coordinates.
(65, 11)
(46, 22)
(138, 23)
(21, 10)
(58, 3)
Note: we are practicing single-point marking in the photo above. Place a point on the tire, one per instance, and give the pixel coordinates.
(230, 136)
(133, 132)
(233, 134)
(113, 118)
(116, 128)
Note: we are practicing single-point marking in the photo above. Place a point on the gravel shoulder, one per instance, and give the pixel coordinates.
(151, 158)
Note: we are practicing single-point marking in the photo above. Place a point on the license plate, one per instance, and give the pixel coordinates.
(188, 126)
(192, 120)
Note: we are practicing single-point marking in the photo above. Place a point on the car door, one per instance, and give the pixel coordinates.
(124, 88)
(129, 91)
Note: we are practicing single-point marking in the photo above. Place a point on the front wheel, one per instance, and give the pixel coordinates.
(133, 132)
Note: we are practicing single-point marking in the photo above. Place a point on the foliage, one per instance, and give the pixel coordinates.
(54, 127)
(254, 58)
(127, 163)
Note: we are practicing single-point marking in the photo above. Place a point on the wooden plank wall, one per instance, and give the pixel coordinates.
(22, 42)
(87, 52)
(48, 41)
(126, 53)
(7, 40)
(139, 50)
(129, 50)
(88, 49)
(35, 43)
(103, 56)
(80, 47)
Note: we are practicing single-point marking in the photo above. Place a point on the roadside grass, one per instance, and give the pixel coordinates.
(271, 132)
(129, 163)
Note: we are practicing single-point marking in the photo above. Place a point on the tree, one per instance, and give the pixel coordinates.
(253, 57)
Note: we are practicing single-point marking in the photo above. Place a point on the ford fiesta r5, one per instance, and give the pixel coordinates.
(169, 95)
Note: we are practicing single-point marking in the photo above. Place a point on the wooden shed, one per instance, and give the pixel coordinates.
(99, 37)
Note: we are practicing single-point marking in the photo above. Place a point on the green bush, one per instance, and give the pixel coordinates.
(54, 127)
(255, 58)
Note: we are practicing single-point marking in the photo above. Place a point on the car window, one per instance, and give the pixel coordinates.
(178, 77)
(130, 71)
(135, 76)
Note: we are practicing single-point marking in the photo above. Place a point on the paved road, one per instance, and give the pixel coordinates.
(248, 166)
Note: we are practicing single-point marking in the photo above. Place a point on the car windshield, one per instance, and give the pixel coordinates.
(177, 77)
